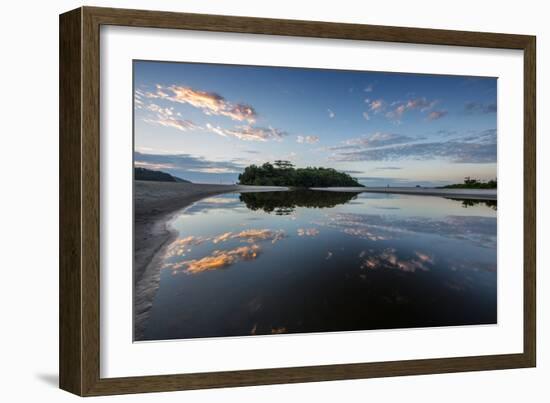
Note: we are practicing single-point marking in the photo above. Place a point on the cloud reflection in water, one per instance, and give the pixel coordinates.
(219, 258)
(480, 231)
(388, 258)
(251, 236)
(307, 232)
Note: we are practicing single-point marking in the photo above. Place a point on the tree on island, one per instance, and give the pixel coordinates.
(283, 173)
(470, 183)
(282, 164)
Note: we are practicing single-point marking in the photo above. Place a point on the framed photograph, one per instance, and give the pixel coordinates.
(249, 201)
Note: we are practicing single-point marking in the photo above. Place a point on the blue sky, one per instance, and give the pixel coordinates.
(206, 122)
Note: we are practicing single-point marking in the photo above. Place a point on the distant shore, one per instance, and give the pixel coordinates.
(455, 193)
(155, 203)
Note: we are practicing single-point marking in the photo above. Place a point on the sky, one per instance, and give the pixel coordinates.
(206, 122)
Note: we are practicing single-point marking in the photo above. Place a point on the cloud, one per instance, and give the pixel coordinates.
(161, 111)
(400, 107)
(366, 115)
(210, 103)
(376, 106)
(180, 124)
(168, 117)
(291, 156)
(307, 139)
(479, 148)
(153, 165)
(447, 132)
(478, 107)
(249, 133)
(378, 139)
(420, 103)
(434, 115)
(215, 170)
(396, 113)
(388, 168)
(138, 99)
(369, 88)
(181, 163)
(331, 114)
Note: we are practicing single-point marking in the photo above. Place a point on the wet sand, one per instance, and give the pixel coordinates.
(155, 203)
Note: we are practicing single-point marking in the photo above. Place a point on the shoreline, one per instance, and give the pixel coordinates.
(155, 203)
(457, 193)
(158, 201)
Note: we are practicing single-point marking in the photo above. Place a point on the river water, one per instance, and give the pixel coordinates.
(313, 261)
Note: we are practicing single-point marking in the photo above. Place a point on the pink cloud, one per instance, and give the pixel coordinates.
(434, 115)
(210, 103)
(377, 105)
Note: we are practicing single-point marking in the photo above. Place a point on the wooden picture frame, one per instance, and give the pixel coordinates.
(80, 199)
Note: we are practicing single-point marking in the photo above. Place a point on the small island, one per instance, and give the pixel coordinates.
(283, 173)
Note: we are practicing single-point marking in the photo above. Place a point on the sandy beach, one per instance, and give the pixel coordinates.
(473, 194)
(154, 204)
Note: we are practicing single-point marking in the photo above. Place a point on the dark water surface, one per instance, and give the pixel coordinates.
(311, 261)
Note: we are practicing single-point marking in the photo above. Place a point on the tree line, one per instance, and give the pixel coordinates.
(470, 183)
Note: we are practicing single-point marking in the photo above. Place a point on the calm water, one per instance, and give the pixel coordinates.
(295, 262)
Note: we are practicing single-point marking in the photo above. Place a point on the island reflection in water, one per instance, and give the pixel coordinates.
(310, 261)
